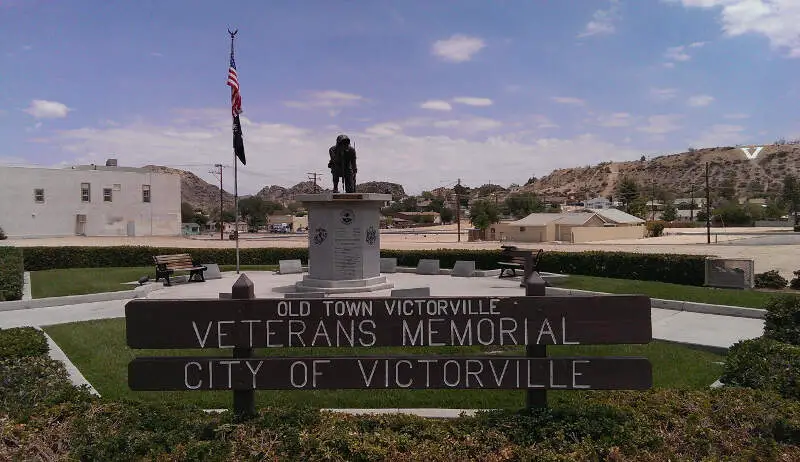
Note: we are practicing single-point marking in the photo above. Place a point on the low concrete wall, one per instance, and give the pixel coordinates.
(590, 234)
(773, 224)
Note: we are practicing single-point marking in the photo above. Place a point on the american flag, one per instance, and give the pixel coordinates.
(233, 82)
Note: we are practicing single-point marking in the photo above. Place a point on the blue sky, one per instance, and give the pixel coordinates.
(430, 91)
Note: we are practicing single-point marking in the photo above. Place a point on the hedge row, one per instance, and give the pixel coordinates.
(678, 269)
(771, 362)
(11, 273)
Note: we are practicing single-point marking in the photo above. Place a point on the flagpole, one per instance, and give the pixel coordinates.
(236, 205)
(238, 143)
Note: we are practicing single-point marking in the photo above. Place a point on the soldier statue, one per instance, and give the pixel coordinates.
(343, 164)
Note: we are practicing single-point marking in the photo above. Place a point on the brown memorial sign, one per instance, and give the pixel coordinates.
(368, 322)
(411, 372)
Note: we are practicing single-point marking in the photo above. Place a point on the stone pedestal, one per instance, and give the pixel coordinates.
(344, 243)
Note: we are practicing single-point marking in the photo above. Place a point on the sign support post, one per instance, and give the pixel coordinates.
(536, 399)
(244, 401)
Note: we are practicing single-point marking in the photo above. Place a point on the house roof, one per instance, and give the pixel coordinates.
(575, 218)
(617, 216)
(543, 219)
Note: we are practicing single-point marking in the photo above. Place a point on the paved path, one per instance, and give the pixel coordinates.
(708, 330)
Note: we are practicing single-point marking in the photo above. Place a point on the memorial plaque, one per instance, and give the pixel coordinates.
(347, 252)
(380, 321)
(408, 372)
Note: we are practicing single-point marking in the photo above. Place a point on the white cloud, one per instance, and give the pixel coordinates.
(677, 54)
(446, 152)
(470, 125)
(331, 100)
(436, 105)
(680, 53)
(458, 48)
(661, 124)
(43, 109)
(602, 22)
(720, 135)
(700, 100)
(774, 19)
(473, 101)
(663, 94)
(157, 54)
(568, 100)
(736, 116)
(617, 119)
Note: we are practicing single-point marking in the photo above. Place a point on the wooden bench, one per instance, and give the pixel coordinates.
(166, 265)
(516, 259)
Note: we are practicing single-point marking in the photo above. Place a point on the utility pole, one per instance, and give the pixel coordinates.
(653, 201)
(691, 205)
(458, 210)
(215, 172)
(313, 176)
(708, 209)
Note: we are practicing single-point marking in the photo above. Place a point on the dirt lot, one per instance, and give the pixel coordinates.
(726, 243)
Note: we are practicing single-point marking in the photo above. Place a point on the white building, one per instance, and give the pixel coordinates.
(598, 203)
(89, 200)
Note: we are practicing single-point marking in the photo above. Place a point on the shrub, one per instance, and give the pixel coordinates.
(770, 280)
(795, 284)
(782, 321)
(29, 380)
(29, 385)
(3, 235)
(11, 273)
(22, 342)
(677, 269)
(655, 228)
(764, 364)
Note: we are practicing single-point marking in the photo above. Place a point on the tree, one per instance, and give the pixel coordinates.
(483, 213)
(255, 210)
(791, 195)
(522, 205)
(628, 192)
(187, 212)
(228, 216)
(447, 215)
(531, 180)
(670, 213)
(642, 159)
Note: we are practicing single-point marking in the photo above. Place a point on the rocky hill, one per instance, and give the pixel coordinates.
(678, 173)
(286, 195)
(195, 190)
(382, 187)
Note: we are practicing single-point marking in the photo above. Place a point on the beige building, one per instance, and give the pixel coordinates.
(573, 227)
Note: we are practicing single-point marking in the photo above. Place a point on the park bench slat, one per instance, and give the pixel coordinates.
(166, 265)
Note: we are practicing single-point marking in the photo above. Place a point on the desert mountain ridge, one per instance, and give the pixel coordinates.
(678, 174)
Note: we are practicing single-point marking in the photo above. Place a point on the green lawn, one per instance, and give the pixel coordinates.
(98, 349)
(663, 290)
(80, 281)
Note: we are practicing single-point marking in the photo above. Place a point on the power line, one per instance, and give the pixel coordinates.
(313, 176)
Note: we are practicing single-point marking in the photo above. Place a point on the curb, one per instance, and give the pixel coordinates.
(78, 299)
(57, 354)
(677, 305)
(26, 286)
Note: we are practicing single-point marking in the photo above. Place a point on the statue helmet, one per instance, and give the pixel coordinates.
(342, 139)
